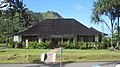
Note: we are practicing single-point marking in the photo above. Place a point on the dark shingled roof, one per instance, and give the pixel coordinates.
(59, 27)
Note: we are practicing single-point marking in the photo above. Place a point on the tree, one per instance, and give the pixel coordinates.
(20, 9)
(105, 8)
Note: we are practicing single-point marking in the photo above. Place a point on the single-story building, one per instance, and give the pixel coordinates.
(61, 30)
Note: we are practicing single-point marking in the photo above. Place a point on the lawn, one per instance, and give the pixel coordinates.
(69, 55)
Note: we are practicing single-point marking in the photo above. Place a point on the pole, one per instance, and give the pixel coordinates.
(60, 57)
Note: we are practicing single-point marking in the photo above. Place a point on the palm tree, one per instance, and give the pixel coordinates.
(20, 9)
(27, 18)
(104, 8)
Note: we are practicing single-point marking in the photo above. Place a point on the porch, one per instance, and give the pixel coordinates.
(58, 38)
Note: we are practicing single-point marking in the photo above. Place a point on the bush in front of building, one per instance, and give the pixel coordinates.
(15, 44)
(33, 45)
(65, 45)
(84, 45)
(2, 44)
(79, 45)
(36, 45)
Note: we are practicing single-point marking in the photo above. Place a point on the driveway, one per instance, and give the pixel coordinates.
(87, 64)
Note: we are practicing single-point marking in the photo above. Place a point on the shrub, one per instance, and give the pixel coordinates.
(33, 45)
(107, 42)
(118, 47)
(77, 46)
(68, 45)
(43, 45)
(13, 44)
(2, 45)
(36, 45)
(82, 45)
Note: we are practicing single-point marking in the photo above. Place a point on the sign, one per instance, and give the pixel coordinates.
(51, 57)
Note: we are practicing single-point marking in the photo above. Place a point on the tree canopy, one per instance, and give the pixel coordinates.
(109, 8)
(17, 17)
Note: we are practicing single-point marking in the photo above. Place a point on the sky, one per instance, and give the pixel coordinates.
(80, 10)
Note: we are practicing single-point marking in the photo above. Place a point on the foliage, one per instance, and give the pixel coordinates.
(17, 17)
(118, 47)
(36, 45)
(2, 45)
(67, 45)
(81, 45)
(109, 8)
(51, 15)
(72, 45)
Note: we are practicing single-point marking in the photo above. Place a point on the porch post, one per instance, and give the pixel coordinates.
(96, 38)
(26, 41)
(39, 39)
(62, 39)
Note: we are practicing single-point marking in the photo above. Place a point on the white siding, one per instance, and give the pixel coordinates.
(17, 38)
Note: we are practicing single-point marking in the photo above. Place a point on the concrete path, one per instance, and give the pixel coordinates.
(87, 64)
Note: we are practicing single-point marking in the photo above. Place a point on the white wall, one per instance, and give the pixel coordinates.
(17, 38)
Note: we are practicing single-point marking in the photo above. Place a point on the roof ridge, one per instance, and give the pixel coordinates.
(61, 18)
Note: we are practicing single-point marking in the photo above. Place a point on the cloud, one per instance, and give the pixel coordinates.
(79, 7)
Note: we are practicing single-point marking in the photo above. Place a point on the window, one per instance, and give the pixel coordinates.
(30, 38)
(80, 38)
(85, 38)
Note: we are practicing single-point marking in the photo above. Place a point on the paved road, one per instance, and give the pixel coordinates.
(88, 64)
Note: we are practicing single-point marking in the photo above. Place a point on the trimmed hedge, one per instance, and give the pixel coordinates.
(69, 45)
(36, 45)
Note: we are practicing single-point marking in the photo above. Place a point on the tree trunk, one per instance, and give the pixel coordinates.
(118, 34)
(112, 47)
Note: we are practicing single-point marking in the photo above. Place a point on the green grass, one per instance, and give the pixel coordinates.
(69, 55)
(90, 55)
